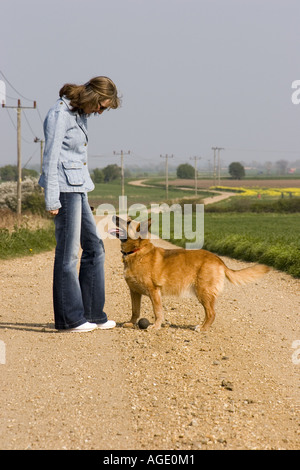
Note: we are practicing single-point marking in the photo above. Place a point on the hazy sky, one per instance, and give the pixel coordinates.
(193, 74)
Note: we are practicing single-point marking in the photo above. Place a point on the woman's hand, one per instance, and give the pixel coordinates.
(55, 212)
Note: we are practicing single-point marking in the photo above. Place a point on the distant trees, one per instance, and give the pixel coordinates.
(107, 174)
(111, 172)
(282, 167)
(185, 171)
(236, 170)
(268, 167)
(10, 173)
(98, 175)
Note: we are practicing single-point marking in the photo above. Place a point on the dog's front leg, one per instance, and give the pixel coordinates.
(136, 308)
(155, 296)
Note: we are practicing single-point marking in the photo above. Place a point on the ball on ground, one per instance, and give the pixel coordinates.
(143, 323)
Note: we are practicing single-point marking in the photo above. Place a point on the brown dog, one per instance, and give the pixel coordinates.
(156, 272)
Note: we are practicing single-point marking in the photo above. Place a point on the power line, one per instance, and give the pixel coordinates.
(196, 172)
(15, 127)
(219, 164)
(10, 118)
(262, 151)
(10, 97)
(41, 141)
(166, 157)
(122, 168)
(19, 181)
(29, 125)
(25, 98)
(30, 158)
(39, 114)
(18, 93)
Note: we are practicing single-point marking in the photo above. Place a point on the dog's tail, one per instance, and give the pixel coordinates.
(243, 276)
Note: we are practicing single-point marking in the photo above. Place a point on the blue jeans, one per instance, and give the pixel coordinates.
(77, 298)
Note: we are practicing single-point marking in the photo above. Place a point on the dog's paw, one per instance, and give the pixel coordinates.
(128, 325)
(201, 329)
(154, 327)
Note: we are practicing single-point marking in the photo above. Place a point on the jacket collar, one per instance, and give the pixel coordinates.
(80, 119)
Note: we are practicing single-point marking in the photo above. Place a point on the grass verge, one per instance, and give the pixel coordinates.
(272, 239)
(24, 241)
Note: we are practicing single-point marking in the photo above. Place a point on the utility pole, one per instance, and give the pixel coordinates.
(214, 168)
(42, 145)
(122, 168)
(19, 181)
(167, 173)
(219, 164)
(196, 172)
(209, 167)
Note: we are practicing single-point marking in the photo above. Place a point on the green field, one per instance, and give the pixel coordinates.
(252, 204)
(272, 239)
(265, 231)
(109, 193)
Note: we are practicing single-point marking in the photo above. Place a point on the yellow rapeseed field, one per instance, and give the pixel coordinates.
(261, 191)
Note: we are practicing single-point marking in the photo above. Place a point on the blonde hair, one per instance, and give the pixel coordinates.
(91, 93)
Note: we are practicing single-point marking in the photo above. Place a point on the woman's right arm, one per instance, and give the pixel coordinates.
(54, 129)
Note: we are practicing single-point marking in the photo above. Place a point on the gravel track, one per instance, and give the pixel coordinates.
(235, 387)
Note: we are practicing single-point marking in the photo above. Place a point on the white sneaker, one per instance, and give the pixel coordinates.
(87, 326)
(107, 325)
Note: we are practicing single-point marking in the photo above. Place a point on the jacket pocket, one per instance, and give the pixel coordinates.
(74, 173)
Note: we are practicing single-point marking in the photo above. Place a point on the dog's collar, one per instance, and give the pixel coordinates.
(126, 253)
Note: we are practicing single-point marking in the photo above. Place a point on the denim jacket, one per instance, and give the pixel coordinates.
(65, 154)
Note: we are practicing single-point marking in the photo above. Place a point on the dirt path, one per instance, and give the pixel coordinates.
(208, 200)
(236, 387)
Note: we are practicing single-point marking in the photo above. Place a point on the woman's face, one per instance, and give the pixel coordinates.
(102, 106)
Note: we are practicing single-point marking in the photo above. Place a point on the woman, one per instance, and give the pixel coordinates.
(78, 300)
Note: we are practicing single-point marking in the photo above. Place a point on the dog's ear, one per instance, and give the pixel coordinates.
(133, 230)
(143, 228)
(144, 223)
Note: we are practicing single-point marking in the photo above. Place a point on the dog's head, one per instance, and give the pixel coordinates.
(121, 229)
(130, 233)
